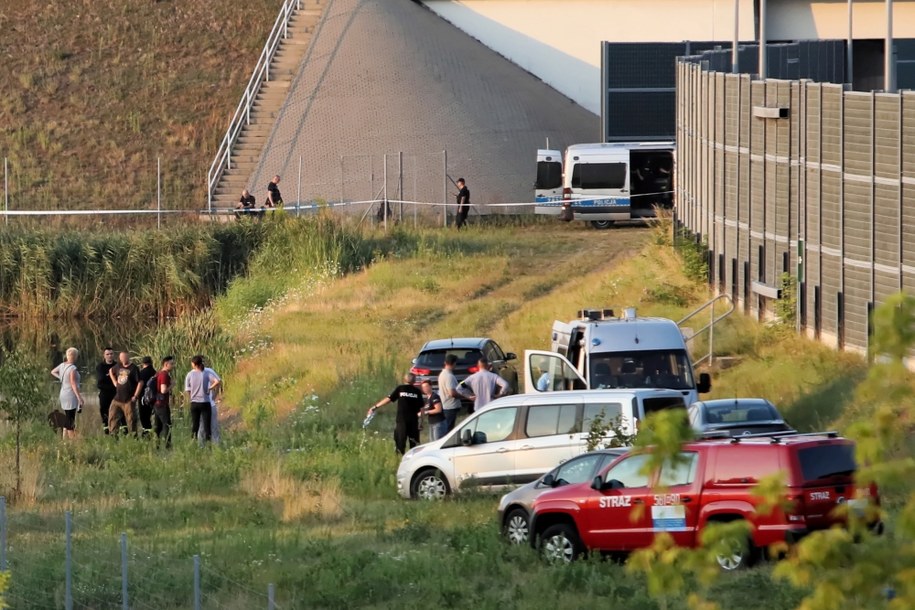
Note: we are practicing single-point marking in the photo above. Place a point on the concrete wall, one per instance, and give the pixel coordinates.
(825, 196)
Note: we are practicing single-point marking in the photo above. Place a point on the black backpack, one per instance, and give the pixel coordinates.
(149, 392)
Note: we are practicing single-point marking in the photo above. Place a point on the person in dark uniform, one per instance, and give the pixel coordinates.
(105, 386)
(274, 198)
(463, 202)
(409, 408)
(147, 372)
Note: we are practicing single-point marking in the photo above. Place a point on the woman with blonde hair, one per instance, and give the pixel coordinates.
(71, 401)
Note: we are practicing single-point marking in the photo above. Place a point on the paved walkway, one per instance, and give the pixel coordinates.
(389, 76)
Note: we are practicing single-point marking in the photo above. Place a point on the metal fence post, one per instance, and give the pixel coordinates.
(124, 601)
(6, 188)
(400, 187)
(385, 202)
(196, 582)
(271, 597)
(68, 561)
(2, 533)
(298, 194)
(158, 192)
(445, 188)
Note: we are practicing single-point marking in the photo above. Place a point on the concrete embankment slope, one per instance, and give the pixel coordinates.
(389, 76)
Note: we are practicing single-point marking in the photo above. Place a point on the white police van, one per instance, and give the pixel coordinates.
(605, 183)
(516, 439)
(600, 351)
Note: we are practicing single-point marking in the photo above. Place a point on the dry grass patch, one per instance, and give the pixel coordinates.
(293, 499)
(31, 483)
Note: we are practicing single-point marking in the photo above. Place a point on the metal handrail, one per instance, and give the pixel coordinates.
(242, 116)
(711, 324)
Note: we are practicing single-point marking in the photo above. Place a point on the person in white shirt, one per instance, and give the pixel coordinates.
(447, 392)
(215, 392)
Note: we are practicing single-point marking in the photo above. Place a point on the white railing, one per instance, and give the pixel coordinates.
(242, 116)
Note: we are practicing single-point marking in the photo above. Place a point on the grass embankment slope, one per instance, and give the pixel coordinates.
(300, 496)
(95, 90)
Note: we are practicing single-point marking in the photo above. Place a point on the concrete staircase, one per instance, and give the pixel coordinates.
(251, 141)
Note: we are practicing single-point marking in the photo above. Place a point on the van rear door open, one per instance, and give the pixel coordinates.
(548, 186)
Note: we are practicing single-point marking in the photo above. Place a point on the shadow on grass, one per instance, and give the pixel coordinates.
(821, 408)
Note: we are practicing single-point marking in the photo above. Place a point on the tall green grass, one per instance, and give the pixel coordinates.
(46, 273)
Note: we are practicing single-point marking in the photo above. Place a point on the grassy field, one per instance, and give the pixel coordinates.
(300, 496)
(94, 92)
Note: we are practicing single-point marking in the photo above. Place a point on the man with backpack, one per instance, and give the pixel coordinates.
(148, 394)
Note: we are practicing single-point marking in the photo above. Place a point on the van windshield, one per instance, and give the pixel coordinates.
(646, 369)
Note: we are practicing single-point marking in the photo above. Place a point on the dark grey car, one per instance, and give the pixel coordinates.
(515, 506)
(431, 360)
(736, 417)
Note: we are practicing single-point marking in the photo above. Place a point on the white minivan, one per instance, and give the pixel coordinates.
(606, 182)
(516, 439)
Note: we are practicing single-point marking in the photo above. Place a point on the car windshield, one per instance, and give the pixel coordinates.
(646, 369)
(741, 413)
(435, 359)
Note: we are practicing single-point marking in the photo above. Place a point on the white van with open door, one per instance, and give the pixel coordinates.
(607, 182)
(600, 351)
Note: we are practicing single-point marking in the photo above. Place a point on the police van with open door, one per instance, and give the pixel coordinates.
(606, 183)
(600, 351)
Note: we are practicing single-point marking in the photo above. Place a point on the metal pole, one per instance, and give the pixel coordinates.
(196, 582)
(158, 192)
(68, 561)
(271, 597)
(735, 54)
(298, 196)
(762, 39)
(385, 202)
(445, 188)
(125, 604)
(415, 196)
(2, 533)
(849, 53)
(889, 77)
(711, 336)
(341, 179)
(400, 186)
(6, 188)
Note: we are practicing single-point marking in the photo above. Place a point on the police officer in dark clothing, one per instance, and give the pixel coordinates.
(463, 202)
(105, 387)
(409, 408)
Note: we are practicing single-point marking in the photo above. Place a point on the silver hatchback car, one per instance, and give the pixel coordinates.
(515, 506)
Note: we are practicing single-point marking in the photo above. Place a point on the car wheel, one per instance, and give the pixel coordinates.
(560, 544)
(430, 484)
(601, 224)
(738, 558)
(517, 526)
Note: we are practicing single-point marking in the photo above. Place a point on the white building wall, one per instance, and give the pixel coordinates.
(559, 40)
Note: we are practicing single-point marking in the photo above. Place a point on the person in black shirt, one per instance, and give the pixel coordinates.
(105, 386)
(463, 202)
(125, 377)
(274, 198)
(147, 372)
(246, 202)
(409, 406)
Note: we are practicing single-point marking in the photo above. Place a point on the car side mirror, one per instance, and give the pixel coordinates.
(548, 480)
(413, 361)
(511, 356)
(705, 383)
(597, 483)
(614, 484)
(466, 437)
